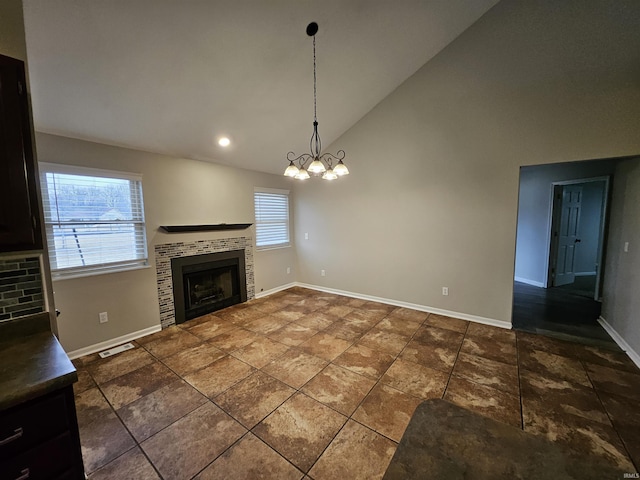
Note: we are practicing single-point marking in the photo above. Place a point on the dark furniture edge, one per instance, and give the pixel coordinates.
(204, 228)
(24, 326)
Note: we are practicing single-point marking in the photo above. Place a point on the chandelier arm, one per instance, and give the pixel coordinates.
(301, 159)
(338, 156)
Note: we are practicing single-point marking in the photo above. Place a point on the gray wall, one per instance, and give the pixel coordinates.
(432, 199)
(176, 191)
(589, 230)
(534, 210)
(621, 303)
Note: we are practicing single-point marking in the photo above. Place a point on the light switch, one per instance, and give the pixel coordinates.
(626, 247)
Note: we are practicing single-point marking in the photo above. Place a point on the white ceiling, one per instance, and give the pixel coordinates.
(171, 76)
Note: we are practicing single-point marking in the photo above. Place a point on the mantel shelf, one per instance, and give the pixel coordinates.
(204, 228)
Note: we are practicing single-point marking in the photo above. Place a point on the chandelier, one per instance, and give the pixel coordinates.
(321, 164)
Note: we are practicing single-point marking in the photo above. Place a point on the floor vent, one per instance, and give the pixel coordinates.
(115, 350)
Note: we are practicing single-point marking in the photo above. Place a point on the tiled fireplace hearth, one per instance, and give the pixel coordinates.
(167, 251)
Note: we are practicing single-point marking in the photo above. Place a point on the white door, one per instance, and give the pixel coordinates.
(567, 234)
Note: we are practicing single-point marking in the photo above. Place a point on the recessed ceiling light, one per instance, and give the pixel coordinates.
(224, 142)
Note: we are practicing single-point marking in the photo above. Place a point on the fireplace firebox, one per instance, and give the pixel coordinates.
(205, 283)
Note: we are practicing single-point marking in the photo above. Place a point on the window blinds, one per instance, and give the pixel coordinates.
(272, 219)
(94, 222)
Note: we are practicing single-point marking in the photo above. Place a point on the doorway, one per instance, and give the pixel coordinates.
(559, 250)
(576, 235)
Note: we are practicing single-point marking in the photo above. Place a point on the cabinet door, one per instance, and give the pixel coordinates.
(18, 200)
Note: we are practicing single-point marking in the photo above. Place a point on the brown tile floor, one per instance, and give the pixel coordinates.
(308, 384)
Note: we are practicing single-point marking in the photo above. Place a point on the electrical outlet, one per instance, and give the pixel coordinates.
(322, 273)
(104, 318)
(288, 270)
(306, 236)
(445, 291)
(626, 247)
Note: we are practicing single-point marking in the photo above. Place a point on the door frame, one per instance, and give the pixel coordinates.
(553, 219)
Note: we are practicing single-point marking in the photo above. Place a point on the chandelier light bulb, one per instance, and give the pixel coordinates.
(341, 169)
(291, 170)
(329, 175)
(302, 174)
(316, 166)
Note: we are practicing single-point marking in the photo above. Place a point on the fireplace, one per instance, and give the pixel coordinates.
(205, 283)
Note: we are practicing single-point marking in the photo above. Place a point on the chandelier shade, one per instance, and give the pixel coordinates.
(326, 165)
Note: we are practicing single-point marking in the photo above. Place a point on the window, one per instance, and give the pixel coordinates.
(272, 218)
(94, 220)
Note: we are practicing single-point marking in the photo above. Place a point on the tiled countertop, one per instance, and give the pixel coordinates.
(30, 366)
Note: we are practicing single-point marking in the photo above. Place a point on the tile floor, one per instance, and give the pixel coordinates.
(304, 384)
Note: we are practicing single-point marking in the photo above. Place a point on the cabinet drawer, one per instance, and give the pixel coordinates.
(71, 474)
(46, 461)
(24, 426)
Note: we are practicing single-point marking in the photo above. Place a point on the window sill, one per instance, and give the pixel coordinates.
(273, 247)
(71, 276)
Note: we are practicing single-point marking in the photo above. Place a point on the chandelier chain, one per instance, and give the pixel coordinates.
(315, 116)
(315, 144)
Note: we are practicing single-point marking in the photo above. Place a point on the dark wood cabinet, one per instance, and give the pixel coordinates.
(19, 217)
(39, 439)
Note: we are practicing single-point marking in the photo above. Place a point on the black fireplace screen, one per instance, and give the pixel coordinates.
(206, 283)
(210, 286)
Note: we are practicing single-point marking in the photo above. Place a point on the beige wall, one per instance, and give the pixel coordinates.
(432, 199)
(12, 39)
(621, 305)
(176, 192)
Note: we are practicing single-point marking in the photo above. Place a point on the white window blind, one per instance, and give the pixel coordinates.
(94, 220)
(272, 218)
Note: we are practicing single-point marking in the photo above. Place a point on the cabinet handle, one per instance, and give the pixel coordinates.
(24, 474)
(17, 433)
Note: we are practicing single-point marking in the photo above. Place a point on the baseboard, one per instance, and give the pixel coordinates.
(585, 274)
(529, 282)
(271, 291)
(633, 355)
(98, 347)
(414, 306)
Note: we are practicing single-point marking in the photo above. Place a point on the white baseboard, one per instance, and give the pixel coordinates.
(633, 355)
(98, 347)
(271, 291)
(529, 282)
(585, 274)
(414, 306)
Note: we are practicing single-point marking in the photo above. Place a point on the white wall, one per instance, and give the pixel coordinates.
(432, 199)
(176, 192)
(621, 303)
(534, 210)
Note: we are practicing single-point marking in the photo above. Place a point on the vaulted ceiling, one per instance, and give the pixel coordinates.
(172, 76)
